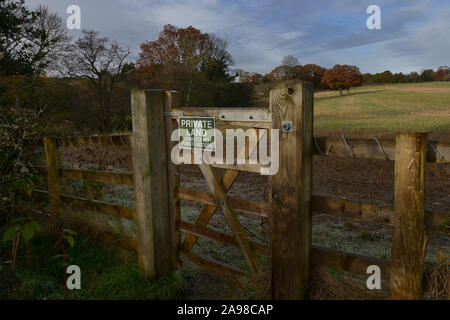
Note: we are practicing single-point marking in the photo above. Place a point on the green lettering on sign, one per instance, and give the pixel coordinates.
(197, 133)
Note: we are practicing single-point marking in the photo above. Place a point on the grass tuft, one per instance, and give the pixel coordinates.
(106, 273)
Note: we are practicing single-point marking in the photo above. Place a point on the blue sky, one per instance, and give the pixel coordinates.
(415, 34)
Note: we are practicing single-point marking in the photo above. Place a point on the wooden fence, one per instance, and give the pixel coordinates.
(156, 182)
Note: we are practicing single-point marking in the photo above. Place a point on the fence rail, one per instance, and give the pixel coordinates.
(348, 262)
(255, 208)
(93, 205)
(373, 212)
(343, 147)
(373, 148)
(98, 176)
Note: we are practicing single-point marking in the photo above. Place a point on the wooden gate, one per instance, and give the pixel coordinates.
(156, 182)
(158, 191)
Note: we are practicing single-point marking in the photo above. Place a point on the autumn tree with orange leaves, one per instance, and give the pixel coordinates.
(442, 74)
(343, 77)
(311, 73)
(183, 57)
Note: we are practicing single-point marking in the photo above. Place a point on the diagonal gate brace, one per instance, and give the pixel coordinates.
(233, 221)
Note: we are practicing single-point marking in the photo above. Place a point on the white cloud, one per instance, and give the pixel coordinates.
(261, 32)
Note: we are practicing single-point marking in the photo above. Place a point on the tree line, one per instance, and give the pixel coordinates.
(84, 83)
(339, 77)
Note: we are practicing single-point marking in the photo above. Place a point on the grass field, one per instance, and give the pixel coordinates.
(417, 107)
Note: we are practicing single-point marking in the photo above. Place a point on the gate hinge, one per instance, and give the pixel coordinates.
(173, 114)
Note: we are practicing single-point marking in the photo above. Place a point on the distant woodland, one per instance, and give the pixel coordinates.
(82, 85)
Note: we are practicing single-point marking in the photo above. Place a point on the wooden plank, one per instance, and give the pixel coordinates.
(99, 206)
(171, 100)
(212, 266)
(372, 212)
(378, 149)
(208, 211)
(245, 150)
(93, 205)
(353, 209)
(220, 237)
(409, 239)
(291, 190)
(232, 220)
(98, 176)
(346, 208)
(217, 111)
(256, 125)
(255, 168)
(254, 208)
(348, 262)
(154, 232)
(53, 176)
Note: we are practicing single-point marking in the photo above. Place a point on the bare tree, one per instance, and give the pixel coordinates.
(52, 42)
(102, 62)
(288, 64)
(37, 46)
(290, 61)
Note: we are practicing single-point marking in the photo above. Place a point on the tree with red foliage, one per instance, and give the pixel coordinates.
(342, 77)
(287, 70)
(250, 77)
(311, 73)
(179, 55)
(279, 74)
(442, 74)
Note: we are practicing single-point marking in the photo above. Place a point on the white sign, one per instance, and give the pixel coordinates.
(197, 133)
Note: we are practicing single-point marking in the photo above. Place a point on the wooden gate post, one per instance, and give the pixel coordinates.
(153, 221)
(53, 176)
(292, 112)
(409, 238)
(171, 100)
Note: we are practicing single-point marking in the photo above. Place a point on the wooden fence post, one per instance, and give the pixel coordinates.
(53, 176)
(292, 112)
(409, 238)
(171, 99)
(153, 223)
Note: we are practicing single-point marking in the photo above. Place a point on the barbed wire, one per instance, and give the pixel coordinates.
(436, 151)
(349, 149)
(77, 141)
(381, 148)
(321, 152)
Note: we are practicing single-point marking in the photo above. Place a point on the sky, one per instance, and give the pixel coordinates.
(414, 34)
